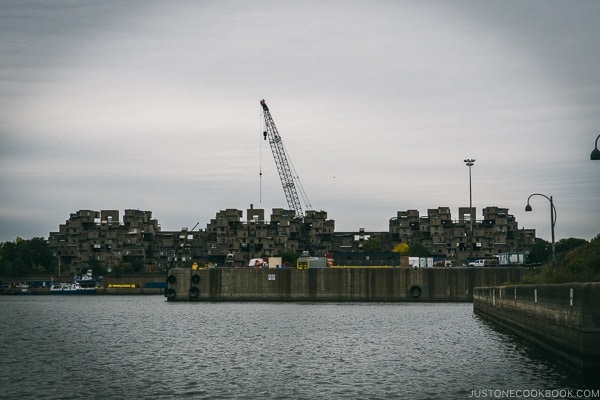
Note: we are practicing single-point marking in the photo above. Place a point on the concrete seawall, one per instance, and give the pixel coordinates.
(334, 284)
(563, 319)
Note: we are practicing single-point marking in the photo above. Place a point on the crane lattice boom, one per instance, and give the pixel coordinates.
(281, 161)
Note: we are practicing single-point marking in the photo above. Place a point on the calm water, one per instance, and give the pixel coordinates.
(130, 347)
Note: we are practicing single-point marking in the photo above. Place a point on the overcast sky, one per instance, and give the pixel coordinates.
(154, 105)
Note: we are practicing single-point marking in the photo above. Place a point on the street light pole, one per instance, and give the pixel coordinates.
(470, 162)
(552, 222)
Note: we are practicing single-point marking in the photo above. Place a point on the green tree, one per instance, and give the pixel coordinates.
(97, 268)
(582, 262)
(8, 255)
(38, 254)
(289, 258)
(138, 265)
(564, 245)
(372, 244)
(418, 250)
(540, 252)
(579, 264)
(124, 268)
(8, 250)
(23, 257)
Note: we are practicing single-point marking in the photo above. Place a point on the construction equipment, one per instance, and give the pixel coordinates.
(286, 173)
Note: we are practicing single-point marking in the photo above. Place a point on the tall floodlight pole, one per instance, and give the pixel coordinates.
(470, 162)
(552, 221)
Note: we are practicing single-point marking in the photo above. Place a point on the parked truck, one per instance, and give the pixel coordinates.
(511, 258)
(267, 262)
(305, 262)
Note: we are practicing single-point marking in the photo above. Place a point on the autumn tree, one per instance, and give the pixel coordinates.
(402, 248)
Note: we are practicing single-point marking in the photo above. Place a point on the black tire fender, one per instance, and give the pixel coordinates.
(415, 291)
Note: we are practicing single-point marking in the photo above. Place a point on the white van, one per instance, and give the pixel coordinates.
(481, 263)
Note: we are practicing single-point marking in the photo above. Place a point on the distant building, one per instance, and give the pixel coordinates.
(98, 236)
(229, 239)
(444, 237)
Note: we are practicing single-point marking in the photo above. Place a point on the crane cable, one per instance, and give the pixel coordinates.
(296, 177)
(260, 164)
(291, 168)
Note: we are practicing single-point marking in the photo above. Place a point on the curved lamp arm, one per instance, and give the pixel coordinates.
(552, 222)
(595, 153)
(553, 209)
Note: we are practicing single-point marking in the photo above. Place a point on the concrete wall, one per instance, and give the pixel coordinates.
(563, 319)
(335, 284)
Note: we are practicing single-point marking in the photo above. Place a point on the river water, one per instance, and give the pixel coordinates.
(137, 347)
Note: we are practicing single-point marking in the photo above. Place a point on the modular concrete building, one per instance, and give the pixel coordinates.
(496, 233)
(91, 237)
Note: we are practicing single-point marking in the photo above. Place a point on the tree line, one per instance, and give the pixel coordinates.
(23, 257)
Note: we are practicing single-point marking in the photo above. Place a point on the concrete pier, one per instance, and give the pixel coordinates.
(333, 284)
(563, 319)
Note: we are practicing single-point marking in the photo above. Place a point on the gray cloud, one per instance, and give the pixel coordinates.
(154, 105)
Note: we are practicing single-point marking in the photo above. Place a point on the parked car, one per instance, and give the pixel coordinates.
(483, 263)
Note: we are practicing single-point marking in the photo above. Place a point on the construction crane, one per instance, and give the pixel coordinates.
(286, 173)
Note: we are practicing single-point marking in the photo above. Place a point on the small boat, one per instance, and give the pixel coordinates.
(87, 280)
(83, 284)
(21, 288)
(71, 288)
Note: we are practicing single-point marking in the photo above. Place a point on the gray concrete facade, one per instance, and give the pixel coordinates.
(563, 319)
(333, 284)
